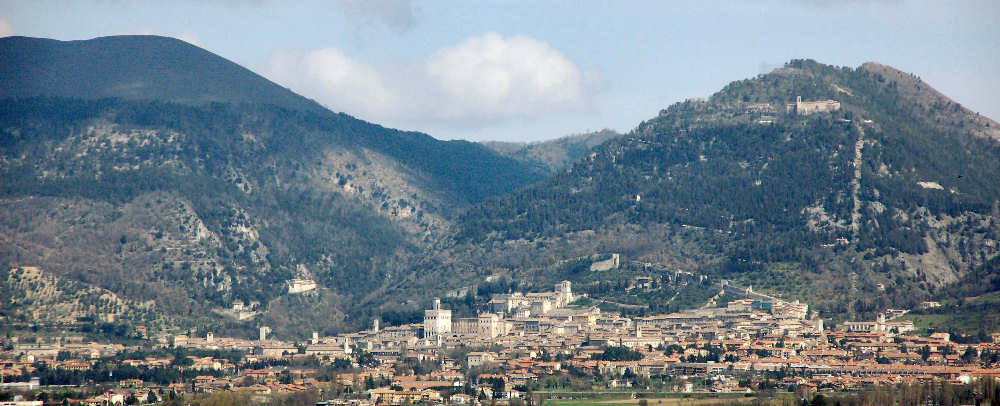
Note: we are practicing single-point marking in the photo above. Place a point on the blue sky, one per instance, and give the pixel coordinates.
(523, 71)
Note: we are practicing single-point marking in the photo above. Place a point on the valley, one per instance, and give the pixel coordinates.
(174, 224)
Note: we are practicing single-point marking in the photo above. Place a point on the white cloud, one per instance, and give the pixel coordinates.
(6, 29)
(333, 79)
(478, 81)
(492, 76)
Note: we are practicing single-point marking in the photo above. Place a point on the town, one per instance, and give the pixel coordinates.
(522, 348)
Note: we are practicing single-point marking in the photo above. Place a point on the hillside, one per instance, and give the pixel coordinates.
(197, 209)
(133, 67)
(881, 203)
(553, 155)
(200, 199)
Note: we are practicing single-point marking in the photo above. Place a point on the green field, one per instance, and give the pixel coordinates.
(975, 316)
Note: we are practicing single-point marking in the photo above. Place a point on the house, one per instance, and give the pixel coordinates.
(276, 350)
(205, 363)
(477, 358)
(131, 383)
(395, 397)
(329, 350)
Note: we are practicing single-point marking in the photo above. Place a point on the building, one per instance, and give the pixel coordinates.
(179, 340)
(330, 350)
(564, 293)
(301, 285)
(490, 325)
(810, 107)
(540, 307)
(465, 326)
(478, 358)
(275, 350)
(793, 309)
(436, 320)
(878, 326)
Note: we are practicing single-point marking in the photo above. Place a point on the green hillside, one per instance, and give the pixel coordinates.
(553, 155)
(739, 187)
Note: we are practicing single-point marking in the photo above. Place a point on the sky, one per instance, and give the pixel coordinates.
(536, 70)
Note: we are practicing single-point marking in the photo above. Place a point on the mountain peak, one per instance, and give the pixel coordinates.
(133, 67)
(915, 90)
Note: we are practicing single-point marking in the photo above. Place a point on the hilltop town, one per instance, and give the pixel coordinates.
(520, 346)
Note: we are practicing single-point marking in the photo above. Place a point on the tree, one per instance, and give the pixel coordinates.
(181, 361)
(366, 359)
(499, 388)
(969, 355)
(618, 354)
(925, 352)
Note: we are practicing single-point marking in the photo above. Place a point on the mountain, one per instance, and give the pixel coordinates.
(212, 198)
(876, 191)
(553, 155)
(133, 67)
(197, 201)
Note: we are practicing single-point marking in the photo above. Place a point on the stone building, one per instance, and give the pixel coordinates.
(436, 320)
(810, 107)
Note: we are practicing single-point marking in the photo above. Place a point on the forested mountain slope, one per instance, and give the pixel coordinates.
(553, 155)
(879, 203)
(213, 188)
(184, 210)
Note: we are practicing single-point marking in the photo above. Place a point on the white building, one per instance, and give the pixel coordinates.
(564, 293)
(436, 320)
(301, 285)
(803, 108)
(490, 325)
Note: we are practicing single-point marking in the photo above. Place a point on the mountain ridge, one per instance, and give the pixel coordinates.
(135, 67)
(201, 202)
(554, 155)
(209, 202)
(894, 189)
